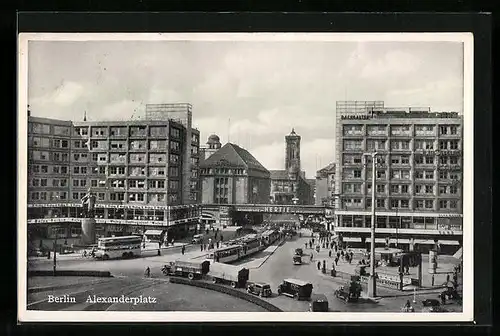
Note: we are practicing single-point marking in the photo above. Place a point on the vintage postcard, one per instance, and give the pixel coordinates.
(245, 177)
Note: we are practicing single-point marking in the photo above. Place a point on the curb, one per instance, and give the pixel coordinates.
(57, 287)
(101, 274)
(270, 254)
(227, 290)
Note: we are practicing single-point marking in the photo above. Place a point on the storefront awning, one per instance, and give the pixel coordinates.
(153, 232)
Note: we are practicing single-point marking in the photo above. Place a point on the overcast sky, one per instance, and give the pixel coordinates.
(265, 88)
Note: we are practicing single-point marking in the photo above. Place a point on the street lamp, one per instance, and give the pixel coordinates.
(372, 282)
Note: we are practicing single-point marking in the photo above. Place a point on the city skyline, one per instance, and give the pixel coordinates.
(241, 89)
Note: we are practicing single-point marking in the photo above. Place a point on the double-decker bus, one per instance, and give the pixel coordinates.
(227, 254)
(119, 247)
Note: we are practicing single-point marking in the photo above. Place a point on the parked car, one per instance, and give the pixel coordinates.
(298, 289)
(259, 288)
(37, 252)
(431, 303)
(319, 303)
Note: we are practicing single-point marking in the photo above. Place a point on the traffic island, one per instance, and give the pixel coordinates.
(226, 290)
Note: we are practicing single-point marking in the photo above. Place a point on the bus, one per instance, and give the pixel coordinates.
(227, 254)
(119, 247)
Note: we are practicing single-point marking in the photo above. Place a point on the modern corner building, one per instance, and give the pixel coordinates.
(418, 176)
(143, 172)
(290, 186)
(325, 186)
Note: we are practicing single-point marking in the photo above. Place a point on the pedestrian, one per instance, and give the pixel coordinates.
(337, 261)
(338, 255)
(217, 244)
(306, 245)
(330, 253)
(432, 281)
(319, 265)
(443, 298)
(311, 257)
(221, 238)
(342, 253)
(201, 247)
(183, 249)
(147, 272)
(313, 240)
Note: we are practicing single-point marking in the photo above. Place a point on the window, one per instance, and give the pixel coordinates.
(55, 170)
(64, 170)
(83, 183)
(394, 203)
(353, 144)
(419, 159)
(419, 204)
(380, 203)
(443, 145)
(174, 145)
(174, 158)
(175, 132)
(101, 196)
(43, 182)
(64, 182)
(76, 170)
(443, 204)
(429, 189)
(93, 183)
(45, 169)
(75, 196)
(453, 144)
(443, 130)
(405, 204)
(157, 131)
(453, 160)
(75, 183)
(35, 168)
(453, 204)
(43, 195)
(454, 176)
(102, 170)
(429, 175)
(418, 189)
(35, 182)
(173, 185)
(442, 190)
(83, 170)
(174, 171)
(380, 188)
(77, 143)
(453, 130)
(357, 173)
(453, 190)
(55, 183)
(381, 174)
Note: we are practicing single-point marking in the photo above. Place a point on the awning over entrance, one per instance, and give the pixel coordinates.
(153, 232)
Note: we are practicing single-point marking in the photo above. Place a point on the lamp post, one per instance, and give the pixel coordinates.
(372, 283)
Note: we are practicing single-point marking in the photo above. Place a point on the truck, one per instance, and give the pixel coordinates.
(191, 269)
(236, 276)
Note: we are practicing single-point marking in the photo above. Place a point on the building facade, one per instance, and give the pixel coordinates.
(325, 186)
(233, 176)
(137, 170)
(290, 186)
(213, 145)
(419, 174)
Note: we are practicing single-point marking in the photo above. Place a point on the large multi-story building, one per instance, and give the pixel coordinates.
(289, 186)
(144, 174)
(325, 186)
(419, 174)
(234, 176)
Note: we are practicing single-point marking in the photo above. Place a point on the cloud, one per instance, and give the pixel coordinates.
(64, 95)
(393, 63)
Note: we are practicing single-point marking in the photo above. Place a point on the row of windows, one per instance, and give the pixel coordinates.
(400, 129)
(132, 131)
(123, 145)
(133, 197)
(222, 171)
(349, 173)
(48, 129)
(402, 145)
(401, 188)
(400, 204)
(103, 170)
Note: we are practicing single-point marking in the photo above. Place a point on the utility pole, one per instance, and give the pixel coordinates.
(372, 281)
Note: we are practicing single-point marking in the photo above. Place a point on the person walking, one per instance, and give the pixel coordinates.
(201, 247)
(311, 257)
(319, 265)
(147, 272)
(330, 253)
(337, 261)
(352, 255)
(306, 245)
(183, 249)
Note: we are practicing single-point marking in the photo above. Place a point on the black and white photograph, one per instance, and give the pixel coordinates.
(245, 177)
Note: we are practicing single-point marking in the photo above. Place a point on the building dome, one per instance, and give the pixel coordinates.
(213, 139)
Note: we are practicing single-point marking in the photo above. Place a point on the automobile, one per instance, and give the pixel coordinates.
(37, 252)
(434, 309)
(66, 250)
(350, 294)
(299, 252)
(297, 260)
(197, 238)
(431, 303)
(319, 303)
(298, 289)
(259, 288)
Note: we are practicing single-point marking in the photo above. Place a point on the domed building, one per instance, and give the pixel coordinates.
(289, 186)
(213, 145)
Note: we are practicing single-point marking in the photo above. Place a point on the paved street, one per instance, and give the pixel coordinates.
(271, 265)
(164, 296)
